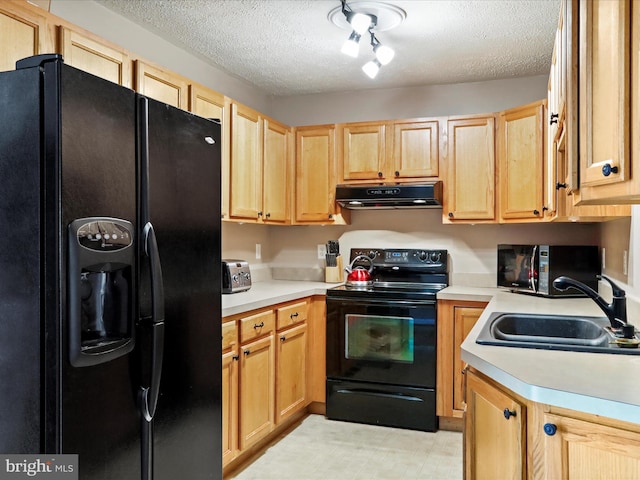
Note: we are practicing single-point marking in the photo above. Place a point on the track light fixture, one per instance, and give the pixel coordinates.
(361, 23)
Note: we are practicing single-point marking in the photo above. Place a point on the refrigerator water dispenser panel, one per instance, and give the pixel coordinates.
(101, 290)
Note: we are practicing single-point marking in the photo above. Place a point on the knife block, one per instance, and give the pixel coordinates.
(334, 274)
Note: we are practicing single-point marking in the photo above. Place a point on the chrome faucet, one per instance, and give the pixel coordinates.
(616, 311)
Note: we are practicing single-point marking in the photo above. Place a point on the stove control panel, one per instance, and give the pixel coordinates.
(407, 257)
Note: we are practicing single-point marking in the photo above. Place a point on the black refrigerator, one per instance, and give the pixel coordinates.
(109, 277)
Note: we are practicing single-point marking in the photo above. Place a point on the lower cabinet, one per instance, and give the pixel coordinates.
(508, 437)
(264, 375)
(494, 435)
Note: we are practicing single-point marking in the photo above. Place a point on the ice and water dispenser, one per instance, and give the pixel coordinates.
(101, 290)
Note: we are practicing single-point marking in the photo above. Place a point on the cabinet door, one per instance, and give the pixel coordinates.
(245, 194)
(494, 433)
(291, 361)
(210, 104)
(362, 151)
(521, 161)
(95, 56)
(464, 318)
(579, 450)
(21, 35)
(229, 406)
(275, 168)
(470, 187)
(257, 390)
(315, 178)
(604, 91)
(415, 150)
(161, 85)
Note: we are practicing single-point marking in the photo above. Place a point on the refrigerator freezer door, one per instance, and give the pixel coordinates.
(184, 208)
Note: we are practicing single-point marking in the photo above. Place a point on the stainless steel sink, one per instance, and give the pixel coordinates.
(552, 332)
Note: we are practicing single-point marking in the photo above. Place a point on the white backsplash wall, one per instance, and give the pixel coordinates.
(472, 248)
(239, 242)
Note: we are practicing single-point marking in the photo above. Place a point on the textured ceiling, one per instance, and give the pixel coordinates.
(290, 47)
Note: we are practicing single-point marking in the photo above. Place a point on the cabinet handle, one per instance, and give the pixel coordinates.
(544, 209)
(267, 215)
(258, 325)
(283, 338)
(553, 119)
(330, 216)
(450, 214)
(293, 315)
(397, 173)
(536, 212)
(247, 352)
(607, 169)
(509, 413)
(235, 358)
(561, 185)
(550, 429)
(380, 174)
(260, 213)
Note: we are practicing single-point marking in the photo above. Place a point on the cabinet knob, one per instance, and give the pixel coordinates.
(247, 352)
(536, 212)
(561, 185)
(258, 325)
(544, 209)
(553, 119)
(283, 338)
(330, 216)
(267, 215)
(450, 214)
(509, 413)
(607, 169)
(235, 358)
(380, 174)
(397, 173)
(550, 429)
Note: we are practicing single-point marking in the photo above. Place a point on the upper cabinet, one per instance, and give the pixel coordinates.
(388, 151)
(93, 55)
(161, 85)
(260, 161)
(315, 177)
(22, 34)
(469, 189)
(609, 67)
(521, 163)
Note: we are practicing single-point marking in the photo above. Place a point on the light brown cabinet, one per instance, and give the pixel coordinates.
(521, 163)
(456, 318)
(22, 34)
(229, 391)
(388, 151)
(95, 56)
(315, 177)
(291, 360)
(609, 69)
(161, 85)
(469, 190)
(276, 166)
(495, 432)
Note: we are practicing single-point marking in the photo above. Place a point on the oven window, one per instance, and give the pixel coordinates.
(382, 338)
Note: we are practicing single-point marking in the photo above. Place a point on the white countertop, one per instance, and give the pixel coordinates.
(263, 294)
(599, 383)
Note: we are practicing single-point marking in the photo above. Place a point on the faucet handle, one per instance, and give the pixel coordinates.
(617, 291)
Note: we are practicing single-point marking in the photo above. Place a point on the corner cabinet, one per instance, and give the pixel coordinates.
(495, 432)
(469, 190)
(316, 178)
(521, 163)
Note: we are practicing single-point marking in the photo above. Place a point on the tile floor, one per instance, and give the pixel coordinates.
(321, 449)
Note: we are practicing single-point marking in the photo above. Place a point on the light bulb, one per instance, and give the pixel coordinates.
(371, 68)
(352, 46)
(384, 54)
(360, 22)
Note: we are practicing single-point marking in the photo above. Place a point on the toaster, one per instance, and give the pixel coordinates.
(236, 276)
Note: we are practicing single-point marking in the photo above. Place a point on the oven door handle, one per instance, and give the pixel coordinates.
(374, 301)
(375, 393)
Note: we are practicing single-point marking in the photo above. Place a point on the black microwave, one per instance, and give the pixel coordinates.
(533, 268)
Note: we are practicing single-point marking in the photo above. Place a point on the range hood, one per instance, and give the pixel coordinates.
(386, 196)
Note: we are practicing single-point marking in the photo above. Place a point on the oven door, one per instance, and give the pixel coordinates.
(382, 341)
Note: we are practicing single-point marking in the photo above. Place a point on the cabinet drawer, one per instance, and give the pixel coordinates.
(257, 325)
(229, 335)
(291, 314)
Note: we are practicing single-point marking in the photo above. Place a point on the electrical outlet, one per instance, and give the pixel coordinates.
(625, 261)
(322, 251)
(258, 251)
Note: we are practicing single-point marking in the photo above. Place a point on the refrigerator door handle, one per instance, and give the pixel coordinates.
(148, 395)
